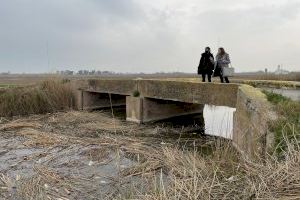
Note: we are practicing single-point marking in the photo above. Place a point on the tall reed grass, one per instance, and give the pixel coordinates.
(223, 175)
(46, 97)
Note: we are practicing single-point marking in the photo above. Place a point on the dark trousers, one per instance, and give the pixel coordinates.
(222, 79)
(208, 77)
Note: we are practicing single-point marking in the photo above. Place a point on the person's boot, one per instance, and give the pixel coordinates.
(222, 80)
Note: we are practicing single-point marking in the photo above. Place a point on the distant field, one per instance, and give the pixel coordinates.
(6, 85)
(6, 80)
(30, 79)
(295, 76)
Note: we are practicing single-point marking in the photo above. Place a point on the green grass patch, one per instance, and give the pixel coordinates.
(287, 127)
(276, 98)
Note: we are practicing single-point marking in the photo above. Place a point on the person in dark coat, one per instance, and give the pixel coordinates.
(206, 65)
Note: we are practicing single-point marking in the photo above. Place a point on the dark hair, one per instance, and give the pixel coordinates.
(207, 48)
(222, 50)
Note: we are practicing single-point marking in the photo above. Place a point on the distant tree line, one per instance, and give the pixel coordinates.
(85, 72)
(97, 72)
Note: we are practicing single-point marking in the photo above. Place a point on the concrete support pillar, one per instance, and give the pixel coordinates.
(140, 110)
(252, 118)
(93, 100)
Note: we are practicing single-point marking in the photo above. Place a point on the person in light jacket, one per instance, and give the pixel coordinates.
(222, 60)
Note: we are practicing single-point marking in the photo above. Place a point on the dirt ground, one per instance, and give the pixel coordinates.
(82, 155)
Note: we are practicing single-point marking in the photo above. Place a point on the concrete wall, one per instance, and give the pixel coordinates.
(252, 118)
(140, 109)
(199, 93)
(87, 100)
(134, 109)
(189, 92)
(123, 87)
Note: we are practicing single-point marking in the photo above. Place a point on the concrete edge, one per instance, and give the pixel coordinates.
(133, 120)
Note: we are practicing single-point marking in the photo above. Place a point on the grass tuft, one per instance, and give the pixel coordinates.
(136, 93)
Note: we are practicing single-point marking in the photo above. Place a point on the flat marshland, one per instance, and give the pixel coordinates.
(30, 79)
(95, 155)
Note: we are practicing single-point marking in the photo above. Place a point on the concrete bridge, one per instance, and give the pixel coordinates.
(151, 100)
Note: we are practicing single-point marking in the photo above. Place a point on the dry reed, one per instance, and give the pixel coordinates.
(159, 171)
(49, 96)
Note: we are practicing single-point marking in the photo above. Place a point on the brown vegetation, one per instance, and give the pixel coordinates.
(48, 96)
(73, 157)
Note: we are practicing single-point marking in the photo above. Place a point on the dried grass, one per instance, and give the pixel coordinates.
(160, 171)
(5, 185)
(37, 138)
(191, 176)
(174, 173)
(47, 97)
(14, 125)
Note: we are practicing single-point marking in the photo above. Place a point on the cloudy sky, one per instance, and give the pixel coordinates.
(146, 35)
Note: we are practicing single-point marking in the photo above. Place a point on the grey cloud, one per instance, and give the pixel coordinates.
(122, 35)
(69, 27)
(261, 18)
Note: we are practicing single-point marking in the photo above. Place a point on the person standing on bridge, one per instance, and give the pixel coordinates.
(222, 61)
(206, 65)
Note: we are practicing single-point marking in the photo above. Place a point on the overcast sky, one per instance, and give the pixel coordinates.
(147, 35)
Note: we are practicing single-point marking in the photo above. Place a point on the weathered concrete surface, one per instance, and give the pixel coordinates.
(123, 87)
(189, 92)
(140, 109)
(87, 100)
(134, 109)
(252, 118)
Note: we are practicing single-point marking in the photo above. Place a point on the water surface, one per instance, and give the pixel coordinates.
(290, 93)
